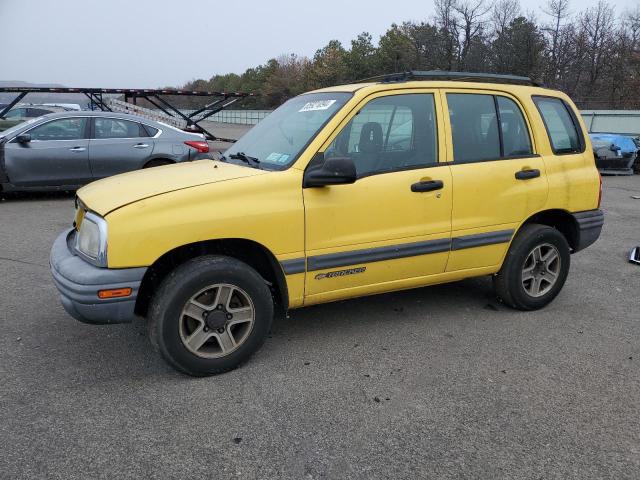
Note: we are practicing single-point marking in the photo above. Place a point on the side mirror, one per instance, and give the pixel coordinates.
(615, 148)
(23, 138)
(333, 171)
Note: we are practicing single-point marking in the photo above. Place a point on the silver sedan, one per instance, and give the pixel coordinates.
(63, 151)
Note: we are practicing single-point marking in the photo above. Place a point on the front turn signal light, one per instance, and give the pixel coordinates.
(115, 293)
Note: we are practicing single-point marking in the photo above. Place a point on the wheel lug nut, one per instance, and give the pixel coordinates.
(219, 307)
(206, 329)
(221, 330)
(229, 316)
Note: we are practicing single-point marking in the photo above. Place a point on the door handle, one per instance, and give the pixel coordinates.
(527, 174)
(77, 149)
(427, 186)
(140, 145)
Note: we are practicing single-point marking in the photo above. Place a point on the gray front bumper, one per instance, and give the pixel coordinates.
(79, 282)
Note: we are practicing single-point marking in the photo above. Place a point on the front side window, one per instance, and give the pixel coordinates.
(62, 129)
(560, 126)
(390, 133)
(117, 128)
(282, 136)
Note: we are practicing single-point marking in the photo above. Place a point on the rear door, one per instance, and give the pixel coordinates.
(56, 155)
(118, 145)
(498, 178)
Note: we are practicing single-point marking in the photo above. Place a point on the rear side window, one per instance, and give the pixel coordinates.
(515, 134)
(474, 127)
(561, 125)
(118, 128)
(487, 127)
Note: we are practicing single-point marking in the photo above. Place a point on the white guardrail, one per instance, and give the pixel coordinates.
(157, 115)
(242, 117)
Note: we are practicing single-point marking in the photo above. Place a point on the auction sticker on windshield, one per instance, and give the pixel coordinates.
(319, 105)
(277, 158)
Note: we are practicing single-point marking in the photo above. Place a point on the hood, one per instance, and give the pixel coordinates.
(111, 193)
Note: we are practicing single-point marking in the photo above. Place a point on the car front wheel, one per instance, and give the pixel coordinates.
(210, 315)
(535, 269)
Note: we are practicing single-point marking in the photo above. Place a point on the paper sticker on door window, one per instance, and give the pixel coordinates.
(277, 158)
(319, 105)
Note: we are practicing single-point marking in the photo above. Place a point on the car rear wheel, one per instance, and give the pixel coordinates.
(535, 269)
(210, 315)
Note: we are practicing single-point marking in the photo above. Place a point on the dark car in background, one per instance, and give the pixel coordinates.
(63, 151)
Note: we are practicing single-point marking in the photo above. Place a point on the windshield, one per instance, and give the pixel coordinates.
(277, 141)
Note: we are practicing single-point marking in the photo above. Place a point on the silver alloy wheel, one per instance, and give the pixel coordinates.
(216, 320)
(541, 270)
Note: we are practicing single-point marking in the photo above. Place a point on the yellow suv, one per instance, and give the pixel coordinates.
(403, 181)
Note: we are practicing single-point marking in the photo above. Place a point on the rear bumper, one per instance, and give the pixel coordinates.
(589, 227)
(79, 282)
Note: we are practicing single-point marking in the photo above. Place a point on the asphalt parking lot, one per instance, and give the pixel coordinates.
(439, 382)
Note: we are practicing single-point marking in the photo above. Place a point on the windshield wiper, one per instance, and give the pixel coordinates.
(245, 158)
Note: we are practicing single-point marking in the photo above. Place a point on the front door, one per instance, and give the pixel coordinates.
(498, 179)
(392, 226)
(118, 146)
(56, 155)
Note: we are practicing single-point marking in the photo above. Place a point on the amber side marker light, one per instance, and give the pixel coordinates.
(114, 293)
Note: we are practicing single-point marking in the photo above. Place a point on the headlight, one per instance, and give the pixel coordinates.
(91, 240)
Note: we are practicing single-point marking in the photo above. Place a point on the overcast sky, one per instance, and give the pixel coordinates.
(155, 43)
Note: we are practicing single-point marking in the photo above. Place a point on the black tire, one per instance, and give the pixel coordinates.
(157, 163)
(508, 282)
(166, 312)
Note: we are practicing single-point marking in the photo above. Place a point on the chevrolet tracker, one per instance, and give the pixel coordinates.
(399, 182)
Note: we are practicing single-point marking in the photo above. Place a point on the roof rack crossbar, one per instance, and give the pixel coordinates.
(435, 75)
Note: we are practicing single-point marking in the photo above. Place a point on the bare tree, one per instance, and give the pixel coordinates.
(472, 15)
(633, 26)
(598, 25)
(447, 21)
(503, 13)
(558, 10)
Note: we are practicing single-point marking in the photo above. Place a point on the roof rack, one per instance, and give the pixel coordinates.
(434, 75)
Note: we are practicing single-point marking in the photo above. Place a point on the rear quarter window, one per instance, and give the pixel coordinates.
(148, 131)
(561, 124)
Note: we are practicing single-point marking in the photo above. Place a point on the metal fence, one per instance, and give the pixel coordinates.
(242, 117)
